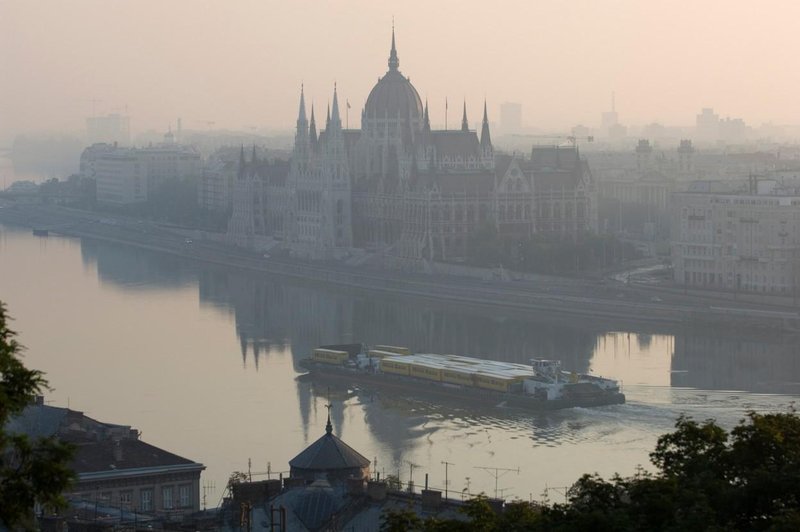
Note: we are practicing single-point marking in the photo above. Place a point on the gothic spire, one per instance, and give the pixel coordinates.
(312, 128)
(486, 139)
(464, 122)
(335, 120)
(328, 117)
(301, 116)
(254, 159)
(394, 62)
(426, 119)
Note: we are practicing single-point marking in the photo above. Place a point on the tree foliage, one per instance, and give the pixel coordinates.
(30, 471)
(706, 479)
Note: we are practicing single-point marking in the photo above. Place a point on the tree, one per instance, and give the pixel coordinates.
(402, 520)
(706, 479)
(30, 471)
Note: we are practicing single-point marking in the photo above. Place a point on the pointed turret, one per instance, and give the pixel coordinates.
(301, 136)
(242, 162)
(336, 122)
(486, 139)
(254, 158)
(464, 122)
(328, 117)
(426, 119)
(312, 129)
(394, 62)
(302, 123)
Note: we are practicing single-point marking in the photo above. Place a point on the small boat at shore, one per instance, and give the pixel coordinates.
(540, 385)
(41, 232)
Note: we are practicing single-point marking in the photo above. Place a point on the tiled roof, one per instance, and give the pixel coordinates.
(134, 454)
(554, 158)
(454, 144)
(38, 421)
(501, 164)
(327, 453)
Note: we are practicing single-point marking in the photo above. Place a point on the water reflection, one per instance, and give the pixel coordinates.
(220, 348)
(762, 364)
(275, 313)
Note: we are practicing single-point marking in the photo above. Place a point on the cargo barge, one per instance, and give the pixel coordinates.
(540, 385)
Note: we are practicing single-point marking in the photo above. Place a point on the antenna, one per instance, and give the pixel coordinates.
(411, 466)
(559, 490)
(208, 487)
(446, 480)
(497, 472)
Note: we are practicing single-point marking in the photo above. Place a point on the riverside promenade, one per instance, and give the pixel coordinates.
(606, 300)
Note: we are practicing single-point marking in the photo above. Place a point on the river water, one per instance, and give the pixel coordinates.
(203, 360)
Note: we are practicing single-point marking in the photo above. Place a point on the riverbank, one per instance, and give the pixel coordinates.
(587, 299)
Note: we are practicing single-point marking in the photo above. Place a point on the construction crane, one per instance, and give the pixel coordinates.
(572, 139)
(94, 102)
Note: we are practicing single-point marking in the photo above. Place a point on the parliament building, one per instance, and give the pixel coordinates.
(399, 188)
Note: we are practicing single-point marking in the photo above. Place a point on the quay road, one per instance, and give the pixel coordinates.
(605, 300)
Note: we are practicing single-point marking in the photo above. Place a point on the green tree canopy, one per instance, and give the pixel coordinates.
(706, 479)
(30, 471)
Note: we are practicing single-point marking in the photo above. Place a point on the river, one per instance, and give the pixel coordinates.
(203, 360)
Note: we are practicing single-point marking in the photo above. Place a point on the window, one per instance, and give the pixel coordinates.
(146, 499)
(126, 496)
(184, 495)
(166, 498)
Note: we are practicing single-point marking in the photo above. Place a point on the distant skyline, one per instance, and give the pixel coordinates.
(240, 64)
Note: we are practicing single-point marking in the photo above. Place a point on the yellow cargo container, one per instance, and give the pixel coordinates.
(426, 372)
(493, 382)
(377, 353)
(396, 367)
(393, 349)
(457, 377)
(329, 356)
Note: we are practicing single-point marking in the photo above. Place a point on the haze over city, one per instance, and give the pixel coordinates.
(240, 64)
(360, 265)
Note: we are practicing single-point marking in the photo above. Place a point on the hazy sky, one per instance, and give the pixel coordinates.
(240, 63)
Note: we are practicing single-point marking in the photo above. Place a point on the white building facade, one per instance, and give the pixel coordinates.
(128, 175)
(737, 241)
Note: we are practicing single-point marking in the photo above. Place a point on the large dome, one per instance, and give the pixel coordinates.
(393, 95)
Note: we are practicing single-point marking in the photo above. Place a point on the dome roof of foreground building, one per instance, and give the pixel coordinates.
(394, 95)
(327, 454)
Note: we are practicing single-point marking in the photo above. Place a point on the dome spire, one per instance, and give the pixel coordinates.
(394, 62)
(328, 426)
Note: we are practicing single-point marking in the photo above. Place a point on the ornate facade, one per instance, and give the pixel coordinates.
(402, 189)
